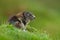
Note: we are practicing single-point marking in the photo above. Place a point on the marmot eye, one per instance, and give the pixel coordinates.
(28, 14)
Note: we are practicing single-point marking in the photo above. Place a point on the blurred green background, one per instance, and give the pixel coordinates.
(47, 14)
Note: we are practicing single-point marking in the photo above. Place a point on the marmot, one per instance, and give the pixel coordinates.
(21, 19)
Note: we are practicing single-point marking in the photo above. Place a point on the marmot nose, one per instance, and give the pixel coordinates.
(34, 17)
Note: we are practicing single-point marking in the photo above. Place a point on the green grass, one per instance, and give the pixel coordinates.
(8, 32)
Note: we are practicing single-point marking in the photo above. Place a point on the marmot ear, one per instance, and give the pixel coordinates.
(24, 13)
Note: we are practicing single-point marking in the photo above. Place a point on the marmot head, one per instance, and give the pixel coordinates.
(28, 15)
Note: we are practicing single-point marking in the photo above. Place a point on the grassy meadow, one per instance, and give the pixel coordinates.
(46, 25)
